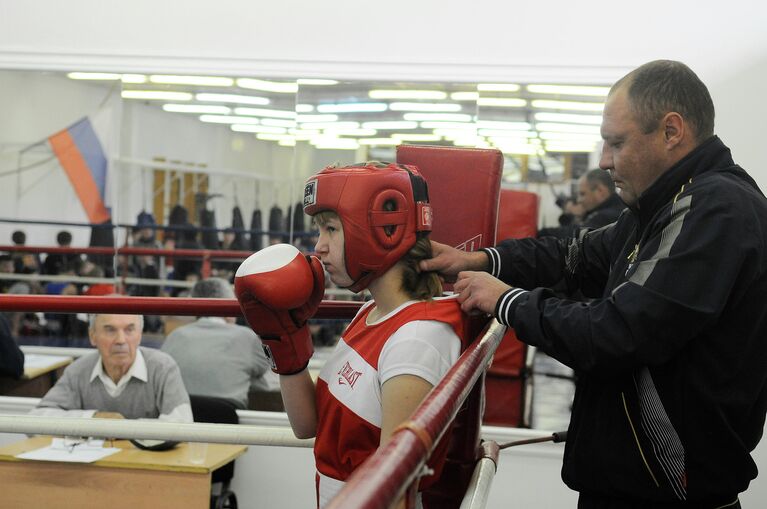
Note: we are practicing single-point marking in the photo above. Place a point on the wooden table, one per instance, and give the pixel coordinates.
(37, 379)
(129, 479)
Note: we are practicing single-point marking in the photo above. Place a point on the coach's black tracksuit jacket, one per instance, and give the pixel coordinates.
(671, 356)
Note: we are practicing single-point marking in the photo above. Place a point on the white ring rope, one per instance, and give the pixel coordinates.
(153, 429)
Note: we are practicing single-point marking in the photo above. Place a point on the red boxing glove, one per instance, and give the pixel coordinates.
(279, 289)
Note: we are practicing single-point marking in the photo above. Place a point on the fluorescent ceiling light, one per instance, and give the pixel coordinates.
(470, 142)
(467, 126)
(451, 134)
(498, 124)
(317, 118)
(518, 149)
(351, 107)
(416, 137)
(110, 76)
(570, 118)
(312, 81)
(274, 136)
(232, 98)
(567, 105)
(407, 94)
(503, 133)
(304, 108)
(380, 141)
(228, 119)
(569, 147)
(287, 143)
(335, 143)
(278, 122)
(203, 81)
(282, 87)
(569, 90)
(450, 117)
(349, 132)
(387, 125)
(330, 125)
(133, 78)
(263, 112)
(498, 87)
(502, 102)
(156, 95)
(405, 106)
(545, 135)
(197, 108)
(567, 128)
(247, 128)
(464, 96)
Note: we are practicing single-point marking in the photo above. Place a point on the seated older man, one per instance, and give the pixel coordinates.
(122, 379)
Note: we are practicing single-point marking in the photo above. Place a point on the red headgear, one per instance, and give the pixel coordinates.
(381, 207)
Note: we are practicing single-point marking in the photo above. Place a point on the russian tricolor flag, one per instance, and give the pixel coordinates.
(80, 153)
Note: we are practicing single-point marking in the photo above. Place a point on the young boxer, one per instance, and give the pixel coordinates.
(374, 220)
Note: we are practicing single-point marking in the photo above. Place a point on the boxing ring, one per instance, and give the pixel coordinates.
(385, 477)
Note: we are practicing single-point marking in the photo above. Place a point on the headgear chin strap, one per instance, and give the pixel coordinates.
(381, 207)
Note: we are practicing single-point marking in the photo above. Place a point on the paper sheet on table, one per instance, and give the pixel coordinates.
(37, 361)
(61, 450)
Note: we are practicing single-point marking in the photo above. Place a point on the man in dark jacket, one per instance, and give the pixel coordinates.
(671, 353)
(596, 194)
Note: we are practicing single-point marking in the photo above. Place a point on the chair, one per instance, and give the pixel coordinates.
(464, 186)
(218, 410)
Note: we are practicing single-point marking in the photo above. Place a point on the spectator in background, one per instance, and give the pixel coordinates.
(187, 269)
(24, 263)
(596, 194)
(598, 205)
(11, 356)
(216, 357)
(54, 262)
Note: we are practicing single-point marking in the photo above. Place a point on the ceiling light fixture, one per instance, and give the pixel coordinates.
(567, 105)
(103, 76)
(197, 108)
(247, 128)
(156, 95)
(388, 125)
(282, 87)
(465, 126)
(232, 98)
(416, 137)
(502, 124)
(202, 81)
(569, 90)
(502, 102)
(262, 112)
(406, 106)
(464, 96)
(390, 142)
(567, 128)
(304, 108)
(133, 78)
(352, 107)
(449, 117)
(569, 118)
(317, 118)
(407, 94)
(227, 119)
(318, 82)
(498, 87)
